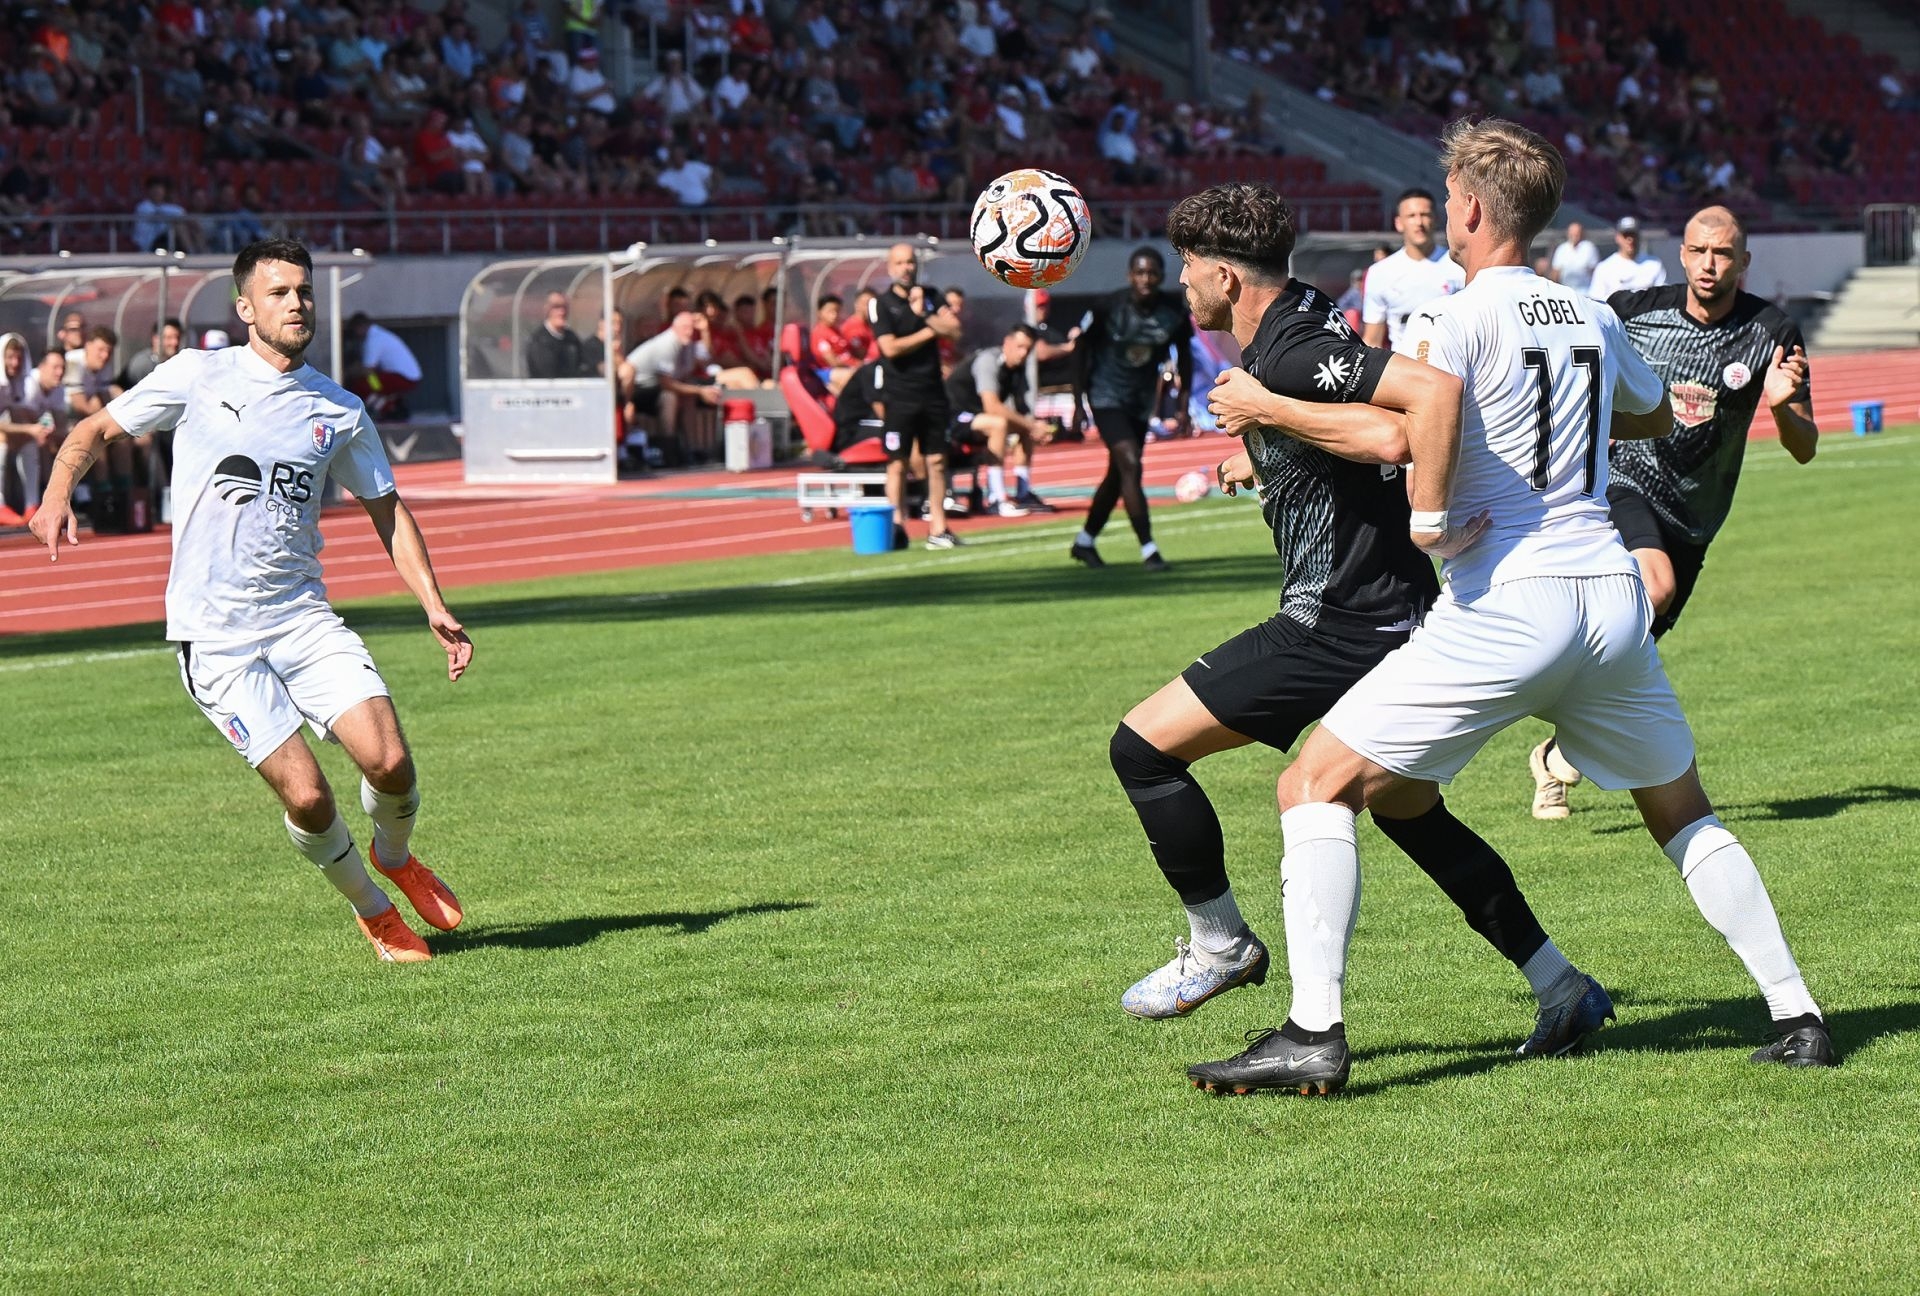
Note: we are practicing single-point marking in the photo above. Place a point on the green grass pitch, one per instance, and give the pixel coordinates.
(800, 900)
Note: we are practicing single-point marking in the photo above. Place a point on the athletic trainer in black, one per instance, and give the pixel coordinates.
(1807, 1046)
(1272, 1061)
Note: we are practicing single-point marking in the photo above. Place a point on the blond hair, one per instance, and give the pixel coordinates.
(1517, 175)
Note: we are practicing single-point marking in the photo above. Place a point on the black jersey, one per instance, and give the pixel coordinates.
(912, 375)
(1059, 371)
(1339, 527)
(1126, 344)
(986, 371)
(1715, 376)
(853, 417)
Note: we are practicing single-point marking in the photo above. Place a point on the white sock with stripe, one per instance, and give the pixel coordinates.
(338, 860)
(392, 814)
(1727, 888)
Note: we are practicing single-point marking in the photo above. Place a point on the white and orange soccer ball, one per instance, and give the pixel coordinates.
(1030, 228)
(1192, 487)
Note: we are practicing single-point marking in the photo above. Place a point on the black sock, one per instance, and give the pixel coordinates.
(1181, 824)
(1300, 1035)
(1788, 1025)
(1474, 877)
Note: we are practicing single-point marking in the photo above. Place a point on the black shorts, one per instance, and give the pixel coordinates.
(919, 422)
(646, 400)
(1272, 681)
(1641, 528)
(961, 432)
(1116, 425)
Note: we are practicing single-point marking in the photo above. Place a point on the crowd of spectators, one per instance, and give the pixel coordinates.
(894, 101)
(1638, 107)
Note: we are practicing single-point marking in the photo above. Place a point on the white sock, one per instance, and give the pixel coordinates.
(1546, 970)
(338, 860)
(1216, 927)
(392, 814)
(1320, 895)
(1148, 550)
(30, 473)
(1084, 538)
(996, 485)
(1727, 888)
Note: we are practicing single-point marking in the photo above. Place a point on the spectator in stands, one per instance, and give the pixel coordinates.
(677, 94)
(473, 151)
(458, 54)
(1542, 86)
(1574, 260)
(908, 180)
(168, 335)
(730, 92)
(1626, 268)
(1082, 58)
(157, 223)
(1117, 141)
(687, 179)
(381, 369)
(1835, 150)
(581, 27)
(587, 87)
(440, 163)
(554, 350)
(237, 222)
(829, 105)
(667, 373)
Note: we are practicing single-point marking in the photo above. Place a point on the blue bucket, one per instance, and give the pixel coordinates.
(872, 528)
(1868, 416)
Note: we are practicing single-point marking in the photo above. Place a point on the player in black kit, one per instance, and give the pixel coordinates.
(1720, 351)
(911, 392)
(1121, 351)
(1353, 587)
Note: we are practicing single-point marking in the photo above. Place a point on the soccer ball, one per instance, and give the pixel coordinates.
(1030, 228)
(1192, 487)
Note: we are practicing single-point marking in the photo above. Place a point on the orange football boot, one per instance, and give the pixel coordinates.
(393, 940)
(431, 898)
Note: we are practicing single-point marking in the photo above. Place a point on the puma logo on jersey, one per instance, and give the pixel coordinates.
(1332, 373)
(232, 410)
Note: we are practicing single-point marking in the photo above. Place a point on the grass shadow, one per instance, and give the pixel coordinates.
(566, 933)
(1724, 1024)
(1824, 806)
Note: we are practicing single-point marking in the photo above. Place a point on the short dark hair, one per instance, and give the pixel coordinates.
(748, 298)
(830, 297)
(1415, 192)
(170, 322)
(709, 297)
(954, 292)
(1249, 225)
(1150, 253)
(676, 291)
(1026, 331)
(268, 249)
(101, 333)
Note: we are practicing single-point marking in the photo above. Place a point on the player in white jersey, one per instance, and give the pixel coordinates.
(259, 433)
(1400, 284)
(1542, 612)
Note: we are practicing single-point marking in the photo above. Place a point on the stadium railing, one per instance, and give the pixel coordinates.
(601, 226)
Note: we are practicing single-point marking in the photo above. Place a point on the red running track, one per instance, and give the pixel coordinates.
(485, 535)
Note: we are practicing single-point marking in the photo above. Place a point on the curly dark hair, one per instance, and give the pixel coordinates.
(1249, 225)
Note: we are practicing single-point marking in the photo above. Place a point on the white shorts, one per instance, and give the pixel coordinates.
(1575, 651)
(257, 693)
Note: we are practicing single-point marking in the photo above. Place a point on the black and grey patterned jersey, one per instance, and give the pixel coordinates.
(1339, 527)
(1127, 343)
(1715, 375)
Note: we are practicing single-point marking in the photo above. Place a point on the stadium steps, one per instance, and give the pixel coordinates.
(1879, 306)
(1883, 28)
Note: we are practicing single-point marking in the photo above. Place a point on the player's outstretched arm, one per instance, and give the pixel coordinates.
(1792, 419)
(69, 466)
(1431, 397)
(393, 521)
(1363, 433)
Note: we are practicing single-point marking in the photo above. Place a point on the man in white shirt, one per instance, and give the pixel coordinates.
(37, 408)
(1542, 612)
(260, 649)
(587, 86)
(670, 370)
(1574, 260)
(381, 369)
(1402, 283)
(1626, 269)
(687, 179)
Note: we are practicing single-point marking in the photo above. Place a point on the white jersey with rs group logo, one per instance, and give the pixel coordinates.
(252, 456)
(1544, 367)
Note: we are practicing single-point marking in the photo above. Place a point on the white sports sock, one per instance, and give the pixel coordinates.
(1148, 550)
(1727, 888)
(30, 473)
(1216, 927)
(392, 814)
(338, 860)
(1320, 895)
(996, 485)
(1084, 538)
(1545, 972)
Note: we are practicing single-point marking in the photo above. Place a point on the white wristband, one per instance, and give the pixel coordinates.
(1427, 521)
